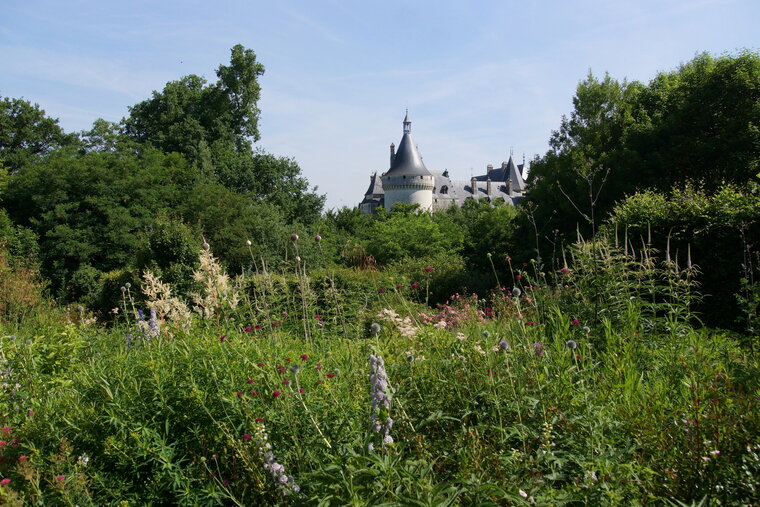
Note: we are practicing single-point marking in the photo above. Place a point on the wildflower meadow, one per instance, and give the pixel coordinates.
(590, 384)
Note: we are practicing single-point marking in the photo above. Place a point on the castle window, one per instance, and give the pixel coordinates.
(444, 189)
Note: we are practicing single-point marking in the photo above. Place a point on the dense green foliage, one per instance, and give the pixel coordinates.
(514, 399)
(698, 123)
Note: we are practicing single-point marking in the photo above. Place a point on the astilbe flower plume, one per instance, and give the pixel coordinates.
(381, 400)
(285, 483)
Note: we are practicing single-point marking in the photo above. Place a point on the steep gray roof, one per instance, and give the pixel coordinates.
(375, 186)
(407, 159)
(515, 175)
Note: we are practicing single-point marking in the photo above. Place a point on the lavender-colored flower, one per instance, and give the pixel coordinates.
(381, 399)
(503, 344)
(285, 483)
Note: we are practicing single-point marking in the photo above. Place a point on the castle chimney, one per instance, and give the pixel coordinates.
(509, 185)
(393, 152)
(488, 186)
(474, 185)
(489, 168)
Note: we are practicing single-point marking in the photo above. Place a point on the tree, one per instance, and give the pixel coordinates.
(214, 125)
(26, 133)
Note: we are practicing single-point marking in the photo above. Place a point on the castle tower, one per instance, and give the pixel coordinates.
(408, 180)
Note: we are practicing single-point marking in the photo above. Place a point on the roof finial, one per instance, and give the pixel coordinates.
(407, 123)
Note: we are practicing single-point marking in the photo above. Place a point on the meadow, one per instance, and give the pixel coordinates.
(590, 384)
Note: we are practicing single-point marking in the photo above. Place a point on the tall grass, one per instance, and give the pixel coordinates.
(585, 386)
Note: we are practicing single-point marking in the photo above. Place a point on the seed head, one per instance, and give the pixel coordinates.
(571, 344)
(248, 242)
(516, 292)
(375, 328)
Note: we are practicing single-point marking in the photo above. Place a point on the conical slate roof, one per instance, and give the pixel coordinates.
(513, 175)
(407, 160)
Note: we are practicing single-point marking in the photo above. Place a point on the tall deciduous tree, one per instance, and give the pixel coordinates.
(26, 133)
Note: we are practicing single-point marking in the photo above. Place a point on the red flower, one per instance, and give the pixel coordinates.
(275, 323)
(578, 356)
(525, 263)
(301, 390)
(317, 316)
(249, 381)
(60, 478)
(564, 271)
(240, 394)
(246, 436)
(318, 366)
(276, 394)
(254, 393)
(576, 322)
(304, 357)
(280, 368)
(399, 287)
(7, 429)
(5, 482)
(22, 458)
(259, 419)
(518, 277)
(329, 375)
(415, 286)
(2, 443)
(259, 364)
(429, 269)
(287, 359)
(381, 291)
(248, 329)
(285, 382)
(257, 327)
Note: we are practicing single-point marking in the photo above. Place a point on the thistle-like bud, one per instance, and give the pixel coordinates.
(205, 245)
(571, 344)
(317, 238)
(516, 292)
(128, 285)
(294, 237)
(374, 328)
(248, 242)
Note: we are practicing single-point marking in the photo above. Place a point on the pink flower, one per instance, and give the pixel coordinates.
(564, 271)
(329, 375)
(304, 357)
(318, 366)
(3, 443)
(399, 287)
(248, 329)
(518, 277)
(415, 286)
(240, 394)
(7, 429)
(259, 364)
(254, 393)
(5, 482)
(246, 436)
(301, 390)
(429, 269)
(249, 381)
(287, 359)
(21, 459)
(60, 478)
(259, 419)
(257, 327)
(381, 291)
(276, 394)
(576, 322)
(317, 316)
(280, 368)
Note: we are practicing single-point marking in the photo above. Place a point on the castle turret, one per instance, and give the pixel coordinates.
(408, 180)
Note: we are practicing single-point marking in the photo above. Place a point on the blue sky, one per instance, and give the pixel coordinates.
(479, 77)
